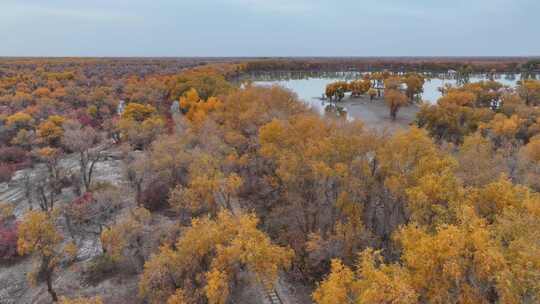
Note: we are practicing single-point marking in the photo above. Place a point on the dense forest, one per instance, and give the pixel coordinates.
(222, 187)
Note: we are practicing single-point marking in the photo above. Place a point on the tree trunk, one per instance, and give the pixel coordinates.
(50, 289)
(82, 170)
(393, 112)
(138, 192)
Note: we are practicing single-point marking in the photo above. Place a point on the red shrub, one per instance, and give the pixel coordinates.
(80, 207)
(6, 172)
(84, 199)
(8, 241)
(85, 119)
(12, 155)
(155, 196)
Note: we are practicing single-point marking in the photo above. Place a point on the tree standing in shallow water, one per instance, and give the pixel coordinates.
(394, 100)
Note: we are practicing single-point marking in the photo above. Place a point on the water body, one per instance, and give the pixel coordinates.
(431, 86)
(310, 86)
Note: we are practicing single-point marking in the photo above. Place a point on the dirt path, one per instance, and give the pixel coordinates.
(14, 191)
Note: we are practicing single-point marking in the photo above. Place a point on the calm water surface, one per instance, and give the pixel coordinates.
(310, 86)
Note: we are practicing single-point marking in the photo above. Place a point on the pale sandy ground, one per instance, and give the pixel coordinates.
(14, 287)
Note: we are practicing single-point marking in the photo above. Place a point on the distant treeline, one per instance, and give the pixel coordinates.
(436, 64)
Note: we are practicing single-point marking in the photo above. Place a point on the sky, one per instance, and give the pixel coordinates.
(256, 28)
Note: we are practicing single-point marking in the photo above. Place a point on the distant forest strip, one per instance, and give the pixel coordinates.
(433, 64)
(172, 65)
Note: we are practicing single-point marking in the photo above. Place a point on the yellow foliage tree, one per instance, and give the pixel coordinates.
(19, 120)
(407, 156)
(435, 198)
(336, 90)
(359, 87)
(6, 211)
(50, 131)
(209, 254)
(479, 164)
(373, 282)
(197, 109)
(516, 230)
(458, 98)
(94, 300)
(140, 124)
(138, 112)
(440, 265)
(208, 189)
(338, 287)
(415, 85)
(124, 239)
(39, 237)
(177, 298)
(501, 128)
(492, 199)
(530, 162)
(394, 100)
(324, 169)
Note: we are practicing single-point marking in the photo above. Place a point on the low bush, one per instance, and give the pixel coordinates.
(155, 196)
(6, 172)
(100, 268)
(12, 155)
(8, 241)
(100, 186)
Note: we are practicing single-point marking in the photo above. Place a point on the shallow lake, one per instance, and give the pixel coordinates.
(310, 86)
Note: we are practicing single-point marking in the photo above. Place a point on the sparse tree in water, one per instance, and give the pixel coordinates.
(372, 93)
(415, 85)
(528, 69)
(394, 100)
(336, 90)
(359, 87)
(464, 74)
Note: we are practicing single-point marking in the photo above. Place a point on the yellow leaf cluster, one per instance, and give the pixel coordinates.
(197, 109)
(226, 242)
(94, 300)
(19, 120)
(50, 131)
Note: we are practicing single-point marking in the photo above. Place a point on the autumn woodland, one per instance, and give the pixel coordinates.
(174, 181)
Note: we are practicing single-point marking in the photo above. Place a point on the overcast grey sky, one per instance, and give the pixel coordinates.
(269, 27)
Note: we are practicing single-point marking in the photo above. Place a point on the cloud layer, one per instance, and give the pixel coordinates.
(269, 28)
